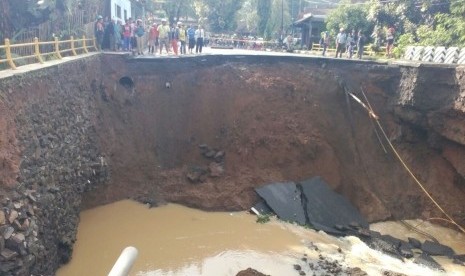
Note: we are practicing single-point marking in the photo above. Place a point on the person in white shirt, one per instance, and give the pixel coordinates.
(341, 39)
(200, 35)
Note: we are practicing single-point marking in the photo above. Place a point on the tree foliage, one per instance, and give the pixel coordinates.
(176, 9)
(349, 17)
(263, 13)
(222, 14)
(247, 17)
(426, 22)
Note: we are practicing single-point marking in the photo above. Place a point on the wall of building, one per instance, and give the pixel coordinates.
(125, 9)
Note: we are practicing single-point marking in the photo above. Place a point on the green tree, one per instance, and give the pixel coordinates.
(449, 29)
(263, 14)
(279, 21)
(349, 17)
(247, 17)
(177, 9)
(221, 15)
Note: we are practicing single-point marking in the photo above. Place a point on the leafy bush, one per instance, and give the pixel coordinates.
(263, 218)
(402, 42)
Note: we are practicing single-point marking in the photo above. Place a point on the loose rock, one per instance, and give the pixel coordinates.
(8, 254)
(216, 170)
(13, 215)
(2, 218)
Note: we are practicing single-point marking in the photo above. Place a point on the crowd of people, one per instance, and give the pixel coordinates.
(134, 36)
(350, 43)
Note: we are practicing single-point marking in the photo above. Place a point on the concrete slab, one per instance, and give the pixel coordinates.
(285, 200)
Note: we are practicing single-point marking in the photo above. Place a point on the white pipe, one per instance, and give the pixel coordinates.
(124, 263)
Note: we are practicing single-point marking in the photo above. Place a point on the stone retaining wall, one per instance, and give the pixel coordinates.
(52, 112)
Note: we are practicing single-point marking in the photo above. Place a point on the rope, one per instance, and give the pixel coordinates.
(373, 115)
(373, 125)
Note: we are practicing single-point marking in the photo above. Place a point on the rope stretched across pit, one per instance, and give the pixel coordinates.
(376, 118)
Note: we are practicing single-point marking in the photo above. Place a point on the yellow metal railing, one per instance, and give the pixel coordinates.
(71, 46)
(367, 50)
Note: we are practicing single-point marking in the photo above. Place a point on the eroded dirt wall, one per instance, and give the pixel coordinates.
(276, 119)
(52, 158)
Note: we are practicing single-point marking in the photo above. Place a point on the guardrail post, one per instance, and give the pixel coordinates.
(95, 43)
(73, 50)
(57, 48)
(37, 50)
(84, 44)
(8, 54)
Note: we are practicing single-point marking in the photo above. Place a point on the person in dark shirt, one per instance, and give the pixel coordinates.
(361, 40)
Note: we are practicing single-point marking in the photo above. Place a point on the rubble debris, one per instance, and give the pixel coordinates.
(426, 260)
(312, 202)
(250, 272)
(197, 174)
(436, 249)
(216, 170)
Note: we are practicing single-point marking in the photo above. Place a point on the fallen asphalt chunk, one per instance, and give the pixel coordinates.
(286, 201)
(426, 260)
(324, 207)
(437, 249)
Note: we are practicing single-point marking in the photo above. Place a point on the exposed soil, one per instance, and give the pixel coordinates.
(276, 121)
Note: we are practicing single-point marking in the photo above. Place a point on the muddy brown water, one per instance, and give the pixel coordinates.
(176, 240)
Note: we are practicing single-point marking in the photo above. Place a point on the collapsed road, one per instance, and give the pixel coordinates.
(107, 127)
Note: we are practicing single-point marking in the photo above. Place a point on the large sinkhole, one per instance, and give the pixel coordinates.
(226, 125)
(205, 131)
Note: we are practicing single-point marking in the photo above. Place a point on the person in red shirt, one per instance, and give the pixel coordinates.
(153, 39)
(127, 36)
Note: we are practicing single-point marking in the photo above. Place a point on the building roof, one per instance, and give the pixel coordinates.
(310, 17)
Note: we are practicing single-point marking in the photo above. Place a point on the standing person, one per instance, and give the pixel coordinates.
(163, 33)
(289, 41)
(127, 36)
(117, 34)
(139, 34)
(191, 38)
(350, 45)
(174, 37)
(200, 34)
(389, 41)
(341, 39)
(326, 42)
(360, 44)
(153, 39)
(133, 43)
(99, 30)
(111, 34)
(182, 37)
